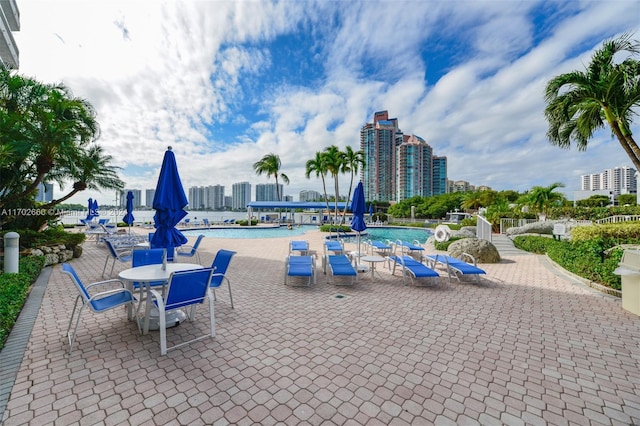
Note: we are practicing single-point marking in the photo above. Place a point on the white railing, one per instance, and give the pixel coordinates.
(483, 228)
(506, 223)
(619, 218)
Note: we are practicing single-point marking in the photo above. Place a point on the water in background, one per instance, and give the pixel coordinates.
(142, 216)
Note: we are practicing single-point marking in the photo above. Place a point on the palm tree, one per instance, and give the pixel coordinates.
(541, 197)
(352, 162)
(333, 160)
(579, 103)
(472, 200)
(44, 128)
(318, 167)
(270, 165)
(92, 171)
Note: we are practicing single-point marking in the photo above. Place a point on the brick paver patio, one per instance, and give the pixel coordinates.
(528, 348)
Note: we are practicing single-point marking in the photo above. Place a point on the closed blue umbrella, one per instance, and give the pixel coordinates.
(358, 207)
(370, 212)
(128, 218)
(95, 211)
(90, 216)
(169, 202)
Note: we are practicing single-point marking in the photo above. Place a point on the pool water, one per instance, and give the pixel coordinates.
(383, 234)
(393, 234)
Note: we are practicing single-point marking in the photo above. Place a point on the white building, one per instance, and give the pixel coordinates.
(310, 196)
(149, 195)
(9, 22)
(267, 192)
(609, 182)
(240, 195)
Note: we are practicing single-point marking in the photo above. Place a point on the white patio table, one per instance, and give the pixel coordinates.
(153, 273)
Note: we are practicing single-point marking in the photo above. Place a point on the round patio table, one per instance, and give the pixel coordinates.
(153, 273)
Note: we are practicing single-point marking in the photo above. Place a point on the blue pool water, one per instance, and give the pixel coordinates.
(406, 234)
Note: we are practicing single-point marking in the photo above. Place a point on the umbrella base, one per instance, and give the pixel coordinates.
(174, 318)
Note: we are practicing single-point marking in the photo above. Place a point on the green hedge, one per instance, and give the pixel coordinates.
(57, 235)
(335, 228)
(14, 289)
(593, 259)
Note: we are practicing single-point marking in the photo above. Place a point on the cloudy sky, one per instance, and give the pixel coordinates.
(226, 82)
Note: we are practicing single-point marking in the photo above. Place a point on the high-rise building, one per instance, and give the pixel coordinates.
(398, 166)
(196, 198)
(267, 191)
(619, 180)
(306, 195)
(45, 192)
(378, 143)
(137, 198)
(206, 197)
(214, 197)
(439, 175)
(9, 21)
(149, 194)
(240, 195)
(414, 169)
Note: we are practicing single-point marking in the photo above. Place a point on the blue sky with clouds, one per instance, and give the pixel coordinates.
(225, 82)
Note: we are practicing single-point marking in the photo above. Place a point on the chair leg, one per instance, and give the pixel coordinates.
(72, 337)
(212, 315)
(105, 266)
(230, 295)
(163, 330)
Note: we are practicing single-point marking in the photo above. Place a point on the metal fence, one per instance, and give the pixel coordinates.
(506, 223)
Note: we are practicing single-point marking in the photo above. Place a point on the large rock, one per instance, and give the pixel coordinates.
(545, 227)
(482, 250)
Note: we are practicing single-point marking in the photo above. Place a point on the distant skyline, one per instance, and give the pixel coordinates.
(224, 83)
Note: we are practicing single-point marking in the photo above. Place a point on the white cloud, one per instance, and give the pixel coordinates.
(179, 72)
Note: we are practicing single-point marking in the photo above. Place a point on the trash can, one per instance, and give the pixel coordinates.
(629, 270)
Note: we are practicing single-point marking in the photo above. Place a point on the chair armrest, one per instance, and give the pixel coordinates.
(108, 292)
(114, 280)
(473, 259)
(182, 248)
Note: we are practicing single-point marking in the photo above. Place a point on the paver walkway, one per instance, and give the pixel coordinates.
(527, 348)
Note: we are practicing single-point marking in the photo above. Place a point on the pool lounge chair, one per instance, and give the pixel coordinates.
(340, 266)
(299, 245)
(412, 268)
(459, 268)
(300, 266)
(380, 247)
(410, 248)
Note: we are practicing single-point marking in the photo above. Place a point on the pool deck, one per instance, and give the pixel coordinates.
(531, 346)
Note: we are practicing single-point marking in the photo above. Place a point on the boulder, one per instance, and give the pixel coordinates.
(545, 227)
(51, 259)
(464, 232)
(77, 251)
(482, 250)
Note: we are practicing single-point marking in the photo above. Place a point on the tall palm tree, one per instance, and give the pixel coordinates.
(352, 162)
(333, 160)
(317, 166)
(270, 165)
(581, 102)
(541, 197)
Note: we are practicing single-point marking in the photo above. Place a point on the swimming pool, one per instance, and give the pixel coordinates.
(389, 233)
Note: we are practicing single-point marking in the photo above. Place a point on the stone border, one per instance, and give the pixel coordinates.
(16, 344)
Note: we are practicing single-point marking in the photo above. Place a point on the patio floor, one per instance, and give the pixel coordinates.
(531, 347)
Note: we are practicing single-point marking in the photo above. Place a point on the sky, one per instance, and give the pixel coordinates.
(226, 82)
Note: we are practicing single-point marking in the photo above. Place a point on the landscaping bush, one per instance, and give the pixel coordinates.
(50, 236)
(335, 228)
(444, 245)
(593, 259)
(14, 289)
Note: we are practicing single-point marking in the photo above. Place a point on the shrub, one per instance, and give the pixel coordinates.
(444, 245)
(593, 259)
(57, 235)
(14, 289)
(335, 228)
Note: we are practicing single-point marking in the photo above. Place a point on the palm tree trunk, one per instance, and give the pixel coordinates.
(344, 212)
(628, 144)
(336, 200)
